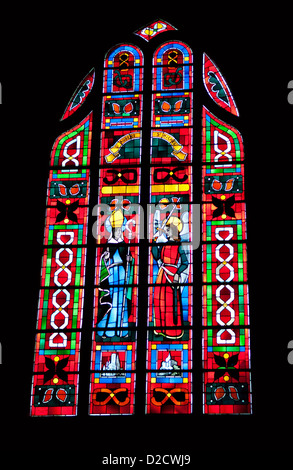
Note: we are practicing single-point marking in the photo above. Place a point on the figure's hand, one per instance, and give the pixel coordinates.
(129, 258)
(176, 278)
(106, 255)
(158, 233)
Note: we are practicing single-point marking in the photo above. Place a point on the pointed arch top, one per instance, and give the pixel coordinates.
(113, 54)
(123, 66)
(161, 53)
(172, 63)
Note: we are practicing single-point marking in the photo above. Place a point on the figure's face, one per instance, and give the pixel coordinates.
(117, 233)
(168, 231)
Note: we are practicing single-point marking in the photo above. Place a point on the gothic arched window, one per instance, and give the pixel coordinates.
(150, 268)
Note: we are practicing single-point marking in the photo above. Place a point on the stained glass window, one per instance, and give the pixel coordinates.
(149, 164)
(169, 341)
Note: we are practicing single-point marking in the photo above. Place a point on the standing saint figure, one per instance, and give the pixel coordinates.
(116, 267)
(172, 261)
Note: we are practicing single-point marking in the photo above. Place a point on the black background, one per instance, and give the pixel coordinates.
(45, 54)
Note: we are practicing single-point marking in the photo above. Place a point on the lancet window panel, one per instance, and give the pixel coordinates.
(61, 298)
(113, 361)
(170, 275)
(225, 302)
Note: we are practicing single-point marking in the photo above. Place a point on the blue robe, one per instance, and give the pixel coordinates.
(116, 317)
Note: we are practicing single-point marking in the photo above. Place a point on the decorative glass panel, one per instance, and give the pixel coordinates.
(226, 346)
(61, 297)
(169, 340)
(113, 360)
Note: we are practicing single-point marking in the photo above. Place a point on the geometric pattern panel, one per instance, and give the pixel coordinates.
(225, 295)
(61, 297)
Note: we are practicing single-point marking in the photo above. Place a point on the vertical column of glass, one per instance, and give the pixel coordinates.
(226, 347)
(60, 310)
(169, 336)
(113, 361)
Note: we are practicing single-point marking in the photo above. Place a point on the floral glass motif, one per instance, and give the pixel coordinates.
(153, 29)
(217, 87)
(80, 94)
